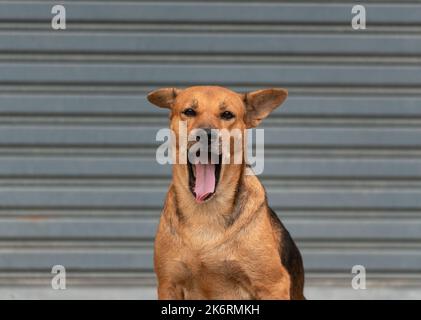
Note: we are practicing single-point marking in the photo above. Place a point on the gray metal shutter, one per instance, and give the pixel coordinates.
(80, 185)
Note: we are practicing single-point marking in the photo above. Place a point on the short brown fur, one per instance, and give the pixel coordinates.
(232, 246)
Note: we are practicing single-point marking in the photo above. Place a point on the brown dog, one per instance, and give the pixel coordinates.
(217, 237)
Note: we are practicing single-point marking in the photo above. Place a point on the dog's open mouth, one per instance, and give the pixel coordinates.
(203, 179)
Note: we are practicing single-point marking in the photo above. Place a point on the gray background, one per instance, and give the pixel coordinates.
(79, 183)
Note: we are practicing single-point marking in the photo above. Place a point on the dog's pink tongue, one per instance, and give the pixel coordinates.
(205, 181)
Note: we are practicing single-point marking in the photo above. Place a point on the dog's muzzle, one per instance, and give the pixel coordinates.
(205, 170)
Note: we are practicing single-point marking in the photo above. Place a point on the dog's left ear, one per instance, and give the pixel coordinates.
(259, 104)
(163, 98)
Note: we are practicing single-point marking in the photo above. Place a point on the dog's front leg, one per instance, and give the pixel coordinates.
(169, 291)
(273, 291)
(278, 292)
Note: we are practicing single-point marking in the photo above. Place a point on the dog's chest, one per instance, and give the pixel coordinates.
(213, 276)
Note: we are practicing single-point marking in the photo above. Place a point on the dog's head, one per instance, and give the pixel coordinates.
(211, 109)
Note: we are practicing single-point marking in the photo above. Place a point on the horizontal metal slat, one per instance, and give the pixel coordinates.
(372, 260)
(142, 260)
(136, 167)
(38, 227)
(89, 260)
(210, 43)
(274, 137)
(188, 12)
(342, 168)
(296, 105)
(80, 197)
(341, 198)
(356, 105)
(91, 104)
(356, 230)
(118, 229)
(226, 74)
(126, 198)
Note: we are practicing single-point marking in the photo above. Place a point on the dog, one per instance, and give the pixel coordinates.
(217, 237)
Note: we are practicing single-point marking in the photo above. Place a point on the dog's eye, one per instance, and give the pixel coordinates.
(227, 115)
(189, 112)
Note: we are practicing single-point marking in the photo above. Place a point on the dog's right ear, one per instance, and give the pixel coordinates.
(163, 98)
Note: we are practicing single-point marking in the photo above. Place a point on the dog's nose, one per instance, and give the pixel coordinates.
(211, 135)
